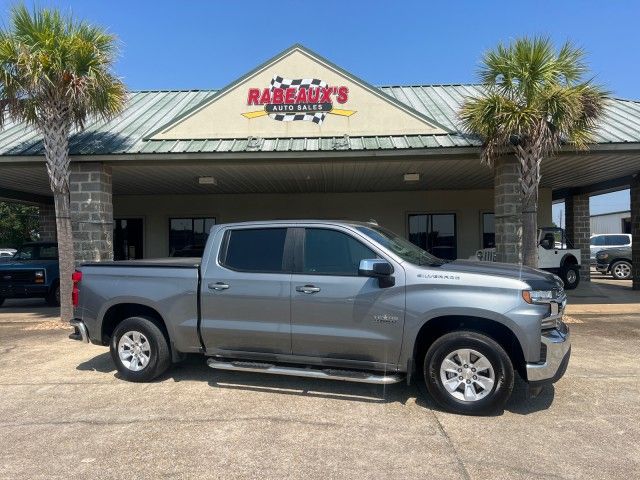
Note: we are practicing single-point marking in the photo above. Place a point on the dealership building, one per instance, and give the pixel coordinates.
(299, 137)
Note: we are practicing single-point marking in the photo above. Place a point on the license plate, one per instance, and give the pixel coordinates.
(554, 309)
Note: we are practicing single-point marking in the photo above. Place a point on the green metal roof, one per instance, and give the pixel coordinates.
(147, 110)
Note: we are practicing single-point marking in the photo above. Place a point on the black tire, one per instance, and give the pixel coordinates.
(570, 276)
(621, 270)
(1, 301)
(159, 357)
(490, 402)
(53, 297)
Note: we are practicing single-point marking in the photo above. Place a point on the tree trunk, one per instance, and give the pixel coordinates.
(529, 180)
(65, 253)
(55, 131)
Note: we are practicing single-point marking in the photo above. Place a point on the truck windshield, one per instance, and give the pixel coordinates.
(401, 247)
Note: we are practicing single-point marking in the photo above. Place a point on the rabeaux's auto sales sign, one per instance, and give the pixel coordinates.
(301, 99)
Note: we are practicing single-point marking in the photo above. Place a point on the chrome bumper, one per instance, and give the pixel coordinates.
(80, 331)
(558, 350)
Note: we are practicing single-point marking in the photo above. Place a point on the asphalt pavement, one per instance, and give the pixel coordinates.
(65, 414)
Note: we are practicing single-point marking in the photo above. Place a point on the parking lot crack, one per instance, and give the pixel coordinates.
(461, 466)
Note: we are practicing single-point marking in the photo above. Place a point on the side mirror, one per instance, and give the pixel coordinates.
(377, 268)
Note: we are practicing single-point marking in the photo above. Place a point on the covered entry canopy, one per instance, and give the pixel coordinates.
(262, 135)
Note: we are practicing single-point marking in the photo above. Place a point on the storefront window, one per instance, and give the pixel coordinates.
(488, 230)
(435, 233)
(188, 236)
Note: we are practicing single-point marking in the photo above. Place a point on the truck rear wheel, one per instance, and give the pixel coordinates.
(140, 350)
(467, 372)
(570, 276)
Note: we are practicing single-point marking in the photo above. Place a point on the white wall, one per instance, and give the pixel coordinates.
(389, 209)
(609, 223)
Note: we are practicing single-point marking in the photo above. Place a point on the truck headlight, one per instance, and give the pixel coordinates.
(538, 296)
(39, 276)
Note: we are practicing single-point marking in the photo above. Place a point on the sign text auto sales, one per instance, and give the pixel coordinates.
(301, 99)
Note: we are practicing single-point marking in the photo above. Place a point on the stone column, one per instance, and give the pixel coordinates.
(635, 230)
(91, 211)
(47, 230)
(578, 230)
(507, 210)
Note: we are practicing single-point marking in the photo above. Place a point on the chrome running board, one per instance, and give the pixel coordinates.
(309, 372)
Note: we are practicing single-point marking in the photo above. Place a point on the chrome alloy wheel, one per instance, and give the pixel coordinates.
(571, 276)
(467, 375)
(622, 270)
(134, 351)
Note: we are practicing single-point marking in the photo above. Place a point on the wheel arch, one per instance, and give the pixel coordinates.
(568, 260)
(620, 259)
(435, 327)
(118, 312)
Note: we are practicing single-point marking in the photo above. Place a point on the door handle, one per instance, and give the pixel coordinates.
(307, 289)
(217, 286)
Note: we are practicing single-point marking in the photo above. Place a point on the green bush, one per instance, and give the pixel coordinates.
(18, 224)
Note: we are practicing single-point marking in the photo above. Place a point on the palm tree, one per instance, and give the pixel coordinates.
(535, 100)
(55, 72)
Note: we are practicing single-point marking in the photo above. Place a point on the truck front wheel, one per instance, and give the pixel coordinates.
(468, 372)
(570, 275)
(140, 350)
(621, 270)
(53, 297)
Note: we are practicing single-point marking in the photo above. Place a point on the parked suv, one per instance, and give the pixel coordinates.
(608, 240)
(330, 300)
(616, 261)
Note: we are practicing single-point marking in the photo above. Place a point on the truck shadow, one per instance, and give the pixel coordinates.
(194, 369)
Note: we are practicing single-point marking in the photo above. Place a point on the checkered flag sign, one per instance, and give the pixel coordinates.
(284, 83)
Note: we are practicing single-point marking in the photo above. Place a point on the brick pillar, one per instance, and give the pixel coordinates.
(91, 211)
(578, 230)
(47, 215)
(635, 230)
(508, 210)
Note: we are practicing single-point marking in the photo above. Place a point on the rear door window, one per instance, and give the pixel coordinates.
(598, 241)
(259, 250)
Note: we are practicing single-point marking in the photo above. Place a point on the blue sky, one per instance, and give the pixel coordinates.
(208, 44)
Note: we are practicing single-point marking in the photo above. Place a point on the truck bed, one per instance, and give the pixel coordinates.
(166, 286)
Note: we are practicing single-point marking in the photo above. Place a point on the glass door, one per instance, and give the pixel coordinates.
(128, 239)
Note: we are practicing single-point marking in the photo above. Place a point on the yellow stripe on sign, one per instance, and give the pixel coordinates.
(256, 114)
(344, 113)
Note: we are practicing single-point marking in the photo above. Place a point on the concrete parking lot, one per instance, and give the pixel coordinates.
(64, 413)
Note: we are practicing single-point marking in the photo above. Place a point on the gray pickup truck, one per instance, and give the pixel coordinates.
(330, 300)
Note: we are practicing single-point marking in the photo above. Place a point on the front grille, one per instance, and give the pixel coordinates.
(16, 277)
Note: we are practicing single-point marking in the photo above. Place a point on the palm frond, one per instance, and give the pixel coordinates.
(535, 97)
(51, 62)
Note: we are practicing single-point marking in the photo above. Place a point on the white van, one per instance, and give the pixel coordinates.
(608, 240)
